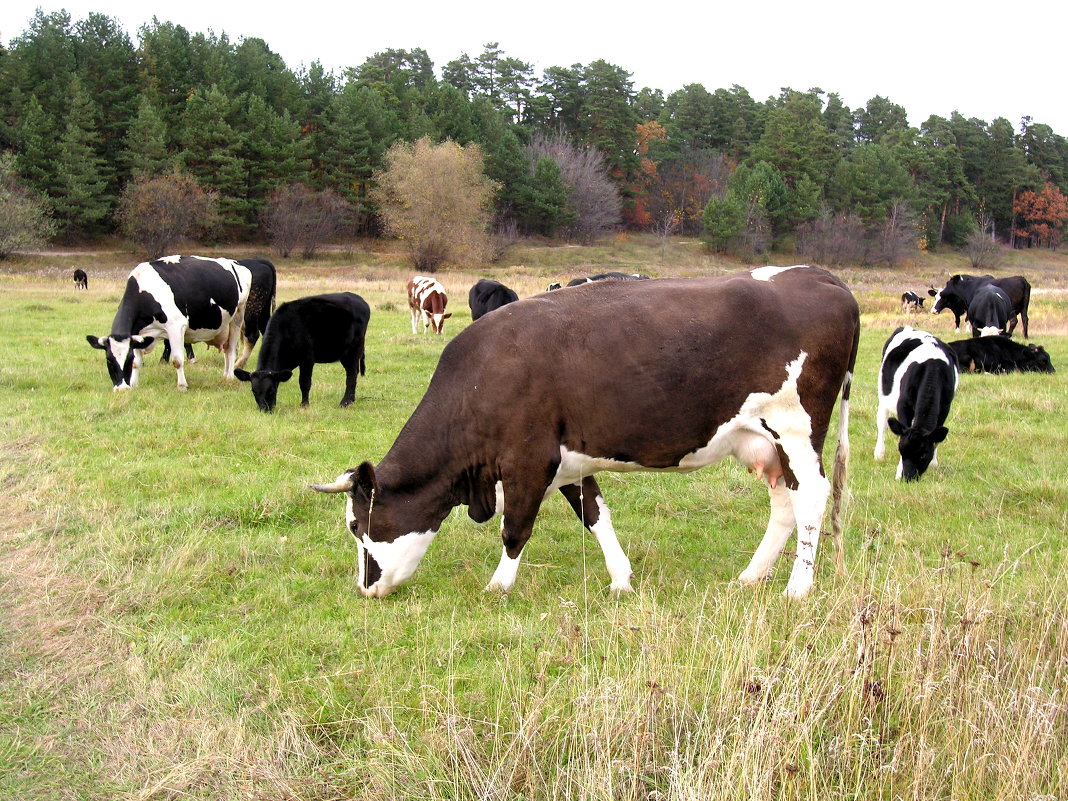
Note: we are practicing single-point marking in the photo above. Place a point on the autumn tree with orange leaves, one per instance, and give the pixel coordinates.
(1042, 215)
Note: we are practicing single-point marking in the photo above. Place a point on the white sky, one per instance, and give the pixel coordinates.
(935, 57)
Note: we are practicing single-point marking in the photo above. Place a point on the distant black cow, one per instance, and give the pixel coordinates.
(911, 302)
(989, 311)
(486, 296)
(81, 280)
(917, 379)
(306, 332)
(958, 292)
(1000, 355)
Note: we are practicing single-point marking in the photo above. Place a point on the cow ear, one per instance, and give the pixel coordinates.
(365, 480)
(242, 375)
(932, 292)
(284, 375)
(895, 426)
(939, 434)
(446, 315)
(96, 342)
(138, 343)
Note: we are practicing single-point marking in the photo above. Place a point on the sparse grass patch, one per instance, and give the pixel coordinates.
(178, 616)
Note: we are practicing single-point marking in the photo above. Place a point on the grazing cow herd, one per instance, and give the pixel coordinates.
(542, 393)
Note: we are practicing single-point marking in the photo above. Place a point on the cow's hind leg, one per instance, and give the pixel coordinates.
(305, 381)
(351, 363)
(780, 525)
(589, 505)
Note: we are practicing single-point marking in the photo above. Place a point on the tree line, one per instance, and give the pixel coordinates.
(87, 117)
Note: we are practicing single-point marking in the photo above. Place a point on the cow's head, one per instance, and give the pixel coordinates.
(122, 356)
(917, 448)
(1036, 360)
(264, 385)
(388, 540)
(437, 321)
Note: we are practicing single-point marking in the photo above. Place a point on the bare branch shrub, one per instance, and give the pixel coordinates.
(438, 200)
(982, 247)
(895, 240)
(157, 213)
(297, 216)
(831, 239)
(683, 186)
(25, 220)
(592, 193)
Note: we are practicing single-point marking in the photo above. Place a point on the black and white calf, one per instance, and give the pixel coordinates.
(306, 332)
(1000, 355)
(182, 299)
(911, 302)
(486, 296)
(545, 392)
(989, 311)
(81, 280)
(917, 379)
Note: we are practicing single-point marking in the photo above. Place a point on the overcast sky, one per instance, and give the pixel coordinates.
(933, 57)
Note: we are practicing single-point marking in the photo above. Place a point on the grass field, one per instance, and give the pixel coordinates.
(178, 615)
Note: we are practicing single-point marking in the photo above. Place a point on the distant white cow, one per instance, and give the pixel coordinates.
(427, 300)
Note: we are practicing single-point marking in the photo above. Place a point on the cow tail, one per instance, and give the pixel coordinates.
(841, 462)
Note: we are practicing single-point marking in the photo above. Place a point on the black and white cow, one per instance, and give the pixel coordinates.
(958, 292)
(989, 311)
(911, 302)
(309, 331)
(426, 301)
(1000, 355)
(81, 280)
(544, 393)
(182, 299)
(600, 277)
(486, 296)
(258, 310)
(917, 379)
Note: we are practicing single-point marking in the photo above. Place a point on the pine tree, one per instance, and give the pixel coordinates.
(80, 202)
(145, 151)
(210, 152)
(270, 153)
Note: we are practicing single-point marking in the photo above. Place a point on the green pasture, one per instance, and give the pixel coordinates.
(179, 617)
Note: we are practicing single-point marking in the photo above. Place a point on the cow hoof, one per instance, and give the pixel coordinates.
(183, 387)
(619, 589)
(345, 403)
(751, 578)
(878, 455)
(496, 587)
(798, 591)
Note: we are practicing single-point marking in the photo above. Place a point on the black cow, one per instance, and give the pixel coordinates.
(911, 302)
(81, 280)
(305, 332)
(917, 379)
(989, 311)
(486, 296)
(1000, 355)
(545, 392)
(957, 295)
(184, 299)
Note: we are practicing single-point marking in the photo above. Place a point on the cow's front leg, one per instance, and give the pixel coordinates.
(780, 524)
(230, 352)
(589, 506)
(176, 339)
(881, 417)
(520, 509)
(809, 502)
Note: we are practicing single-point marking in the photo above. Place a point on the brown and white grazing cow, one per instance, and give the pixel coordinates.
(427, 300)
(646, 375)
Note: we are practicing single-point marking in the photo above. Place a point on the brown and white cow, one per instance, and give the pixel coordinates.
(661, 375)
(427, 300)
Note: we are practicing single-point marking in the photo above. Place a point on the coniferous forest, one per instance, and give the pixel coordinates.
(85, 112)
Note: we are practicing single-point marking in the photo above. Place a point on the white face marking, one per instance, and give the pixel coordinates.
(934, 302)
(767, 273)
(989, 331)
(397, 560)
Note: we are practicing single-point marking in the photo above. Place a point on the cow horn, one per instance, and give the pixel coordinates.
(342, 483)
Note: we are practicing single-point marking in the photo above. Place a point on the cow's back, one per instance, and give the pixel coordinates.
(325, 327)
(617, 365)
